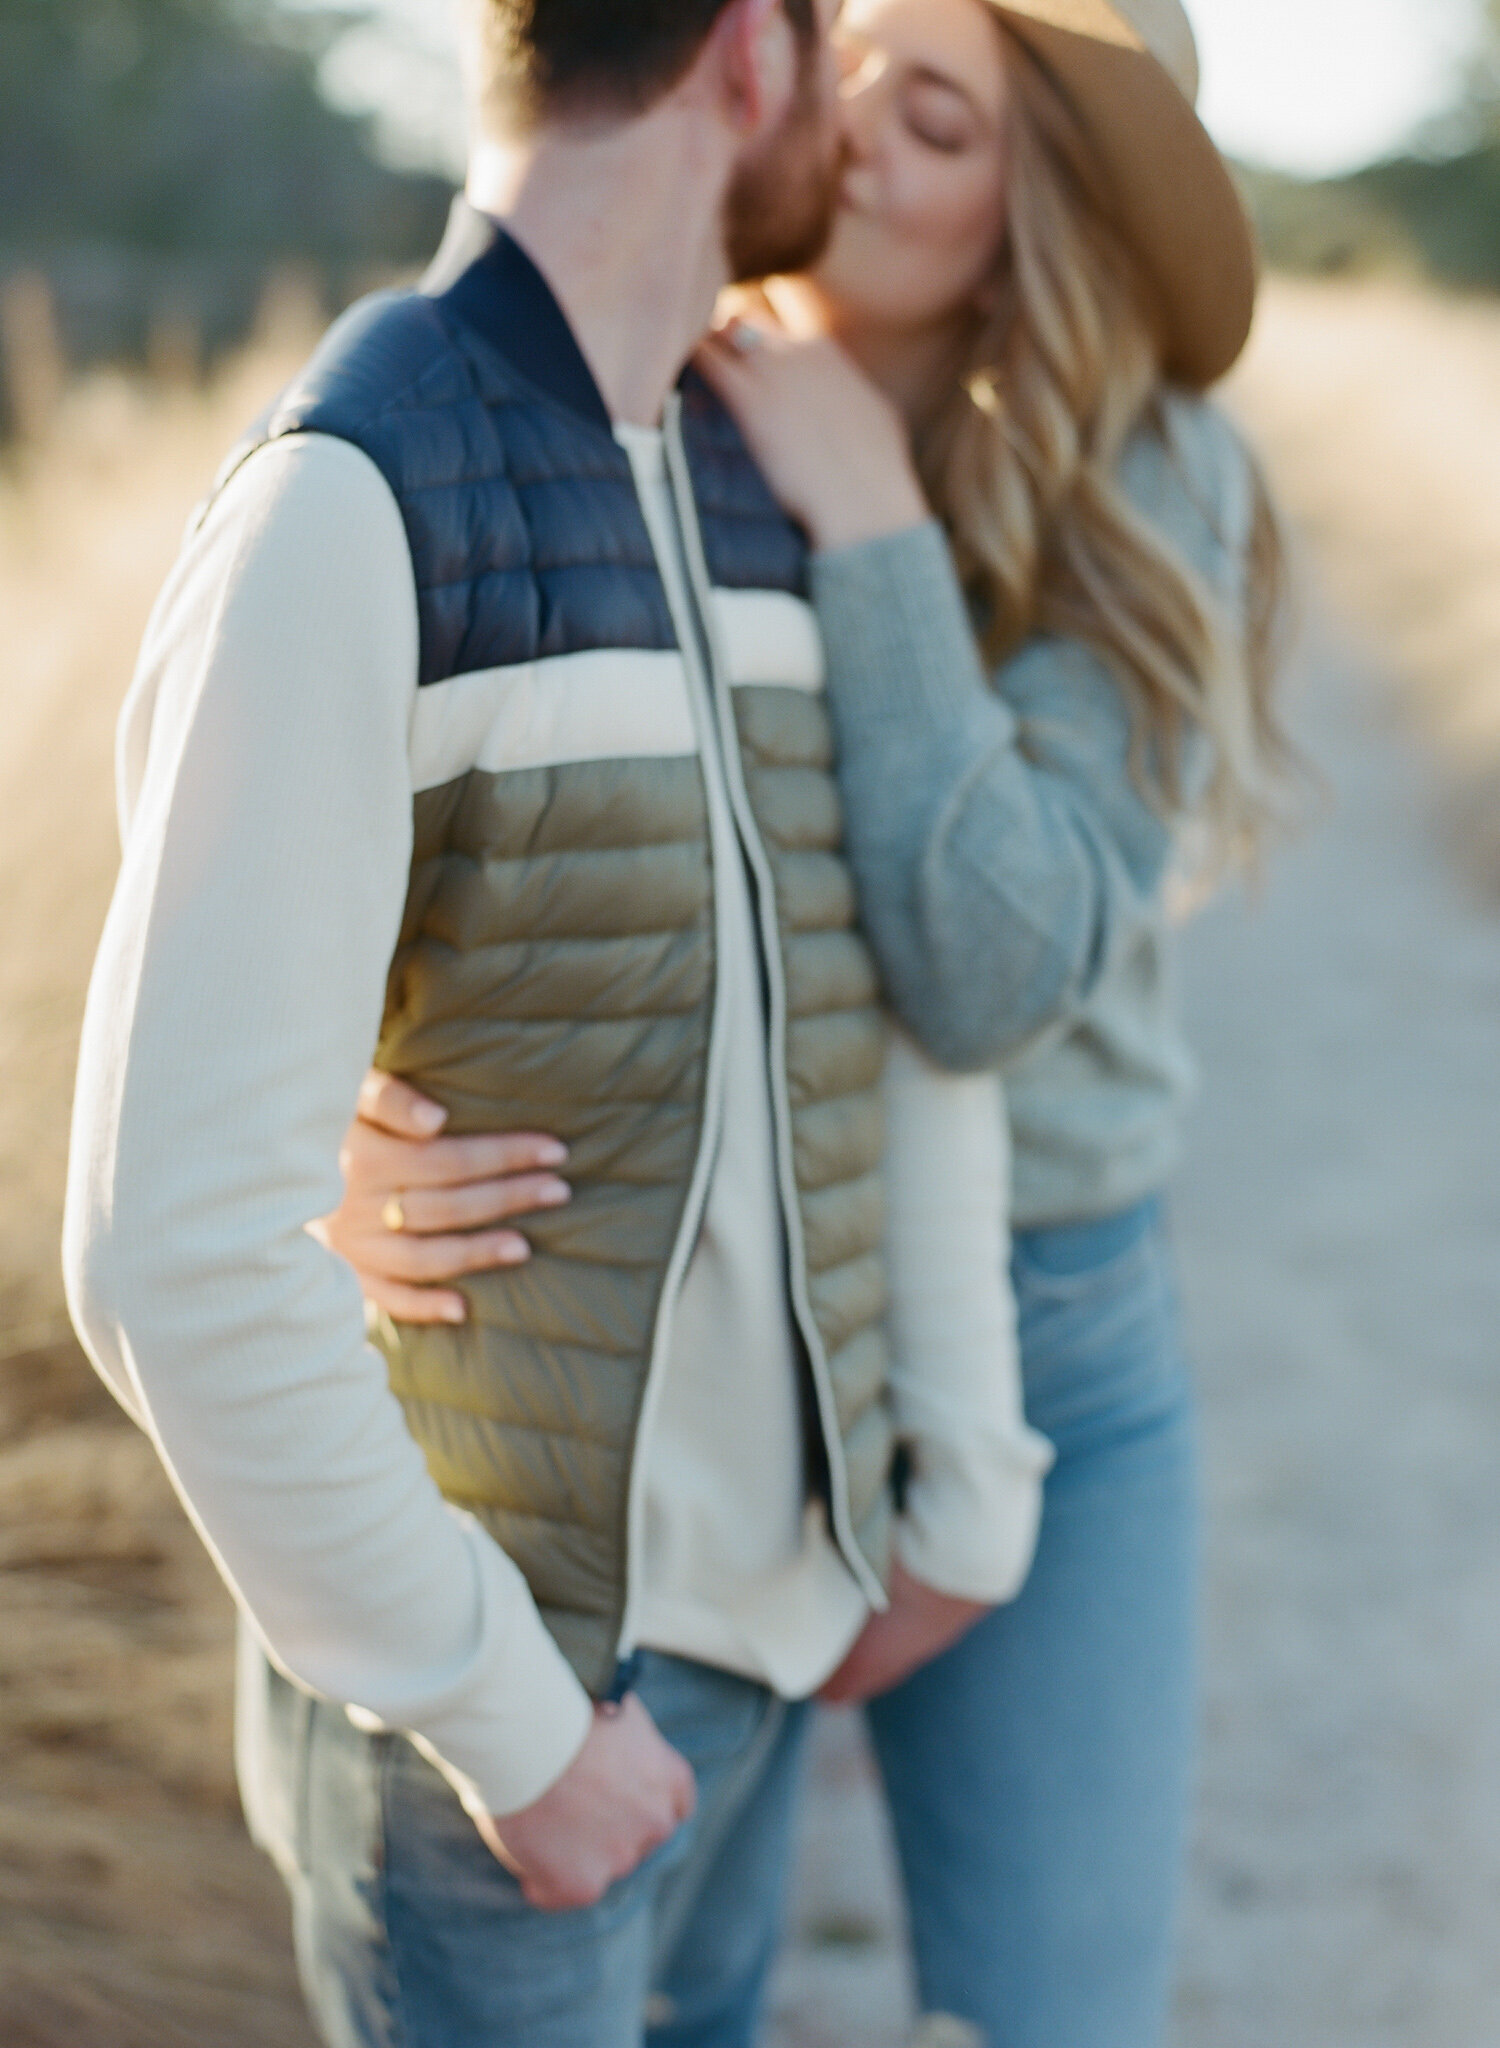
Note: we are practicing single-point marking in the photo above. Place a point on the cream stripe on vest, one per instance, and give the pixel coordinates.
(606, 704)
(767, 637)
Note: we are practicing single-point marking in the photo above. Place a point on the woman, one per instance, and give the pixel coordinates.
(1041, 693)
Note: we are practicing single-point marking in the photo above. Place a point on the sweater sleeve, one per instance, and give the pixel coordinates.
(1000, 860)
(233, 1010)
(974, 1493)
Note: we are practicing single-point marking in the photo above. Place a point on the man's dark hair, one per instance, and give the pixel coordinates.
(560, 56)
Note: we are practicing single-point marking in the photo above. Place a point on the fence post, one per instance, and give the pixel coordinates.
(293, 309)
(31, 355)
(174, 346)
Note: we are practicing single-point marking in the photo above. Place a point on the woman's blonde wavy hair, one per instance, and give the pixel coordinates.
(1022, 465)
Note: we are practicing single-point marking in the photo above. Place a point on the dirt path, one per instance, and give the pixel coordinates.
(1339, 1226)
(1341, 1237)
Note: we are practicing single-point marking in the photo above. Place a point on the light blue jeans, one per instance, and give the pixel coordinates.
(410, 1935)
(1038, 1773)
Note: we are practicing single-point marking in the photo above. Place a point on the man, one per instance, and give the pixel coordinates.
(478, 725)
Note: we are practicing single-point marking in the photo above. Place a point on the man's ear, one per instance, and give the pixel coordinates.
(757, 61)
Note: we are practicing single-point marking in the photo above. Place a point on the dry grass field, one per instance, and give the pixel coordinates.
(132, 1913)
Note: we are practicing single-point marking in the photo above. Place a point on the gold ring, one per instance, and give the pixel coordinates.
(393, 1215)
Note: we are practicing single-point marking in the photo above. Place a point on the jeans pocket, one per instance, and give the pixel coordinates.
(712, 1717)
(1096, 1260)
(1101, 1347)
(432, 1845)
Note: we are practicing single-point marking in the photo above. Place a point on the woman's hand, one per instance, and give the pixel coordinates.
(831, 445)
(419, 1209)
(919, 1624)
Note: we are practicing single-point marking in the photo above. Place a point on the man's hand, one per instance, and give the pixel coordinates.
(918, 1625)
(625, 1793)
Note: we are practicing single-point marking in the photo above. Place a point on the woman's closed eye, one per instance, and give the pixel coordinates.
(940, 115)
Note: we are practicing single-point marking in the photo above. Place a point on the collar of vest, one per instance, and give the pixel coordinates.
(485, 278)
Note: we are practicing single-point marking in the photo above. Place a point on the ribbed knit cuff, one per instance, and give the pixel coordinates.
(900, 643)
(972, 1516)
(517, 1727)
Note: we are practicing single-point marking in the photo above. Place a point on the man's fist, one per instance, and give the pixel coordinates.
(625, 1793)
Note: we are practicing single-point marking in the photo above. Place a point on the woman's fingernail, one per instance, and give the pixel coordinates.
(429, 1116)
(512, 1251)
(455, 1312)
(551, 1152)
(553, 1191)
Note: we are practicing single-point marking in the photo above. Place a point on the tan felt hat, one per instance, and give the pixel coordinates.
(1129, 69)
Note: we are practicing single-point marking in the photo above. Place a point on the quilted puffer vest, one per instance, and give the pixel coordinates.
(556, 965)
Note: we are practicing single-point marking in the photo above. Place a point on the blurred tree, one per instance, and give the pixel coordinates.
(1477, 116)
(191, 126)
(1433, 208)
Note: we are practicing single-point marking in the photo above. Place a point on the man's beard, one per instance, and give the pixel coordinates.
(780, 208)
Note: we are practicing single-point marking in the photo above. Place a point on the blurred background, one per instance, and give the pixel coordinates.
(188, 189)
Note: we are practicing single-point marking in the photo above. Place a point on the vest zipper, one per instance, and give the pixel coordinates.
(703, 1165)
(764, 892)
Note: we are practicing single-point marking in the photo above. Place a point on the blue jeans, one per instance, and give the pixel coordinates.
(410, 1935)
(1038, 1773)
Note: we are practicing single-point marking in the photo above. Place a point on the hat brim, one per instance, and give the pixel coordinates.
(1172, 195)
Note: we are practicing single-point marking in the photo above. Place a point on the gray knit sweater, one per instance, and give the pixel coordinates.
(1011, 875)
